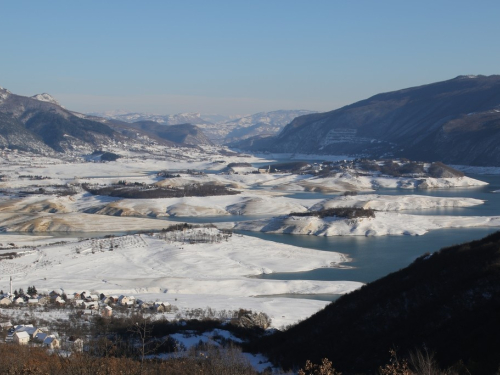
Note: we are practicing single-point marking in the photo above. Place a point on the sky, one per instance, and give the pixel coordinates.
(239, 57)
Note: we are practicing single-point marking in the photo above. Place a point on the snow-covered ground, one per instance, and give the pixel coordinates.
(40, 213)
(349, 182)
(293, 156)
(384, 223)
(188, 340)
(395, 202)
(196, 275)
(75, 222)
(203, 275)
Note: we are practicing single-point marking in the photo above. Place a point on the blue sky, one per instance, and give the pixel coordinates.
(235, 57)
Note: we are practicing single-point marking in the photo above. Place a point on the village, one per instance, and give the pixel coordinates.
(82, 305)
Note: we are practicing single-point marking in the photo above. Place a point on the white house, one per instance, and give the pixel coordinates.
(19, 301)
(21, 338)
(126, 300)
(29, 329)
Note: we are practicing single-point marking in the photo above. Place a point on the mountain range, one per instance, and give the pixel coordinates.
(455, 121)
(219, 129)
(40, 124)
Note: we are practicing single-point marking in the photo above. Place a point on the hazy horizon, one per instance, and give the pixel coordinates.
(239, 58)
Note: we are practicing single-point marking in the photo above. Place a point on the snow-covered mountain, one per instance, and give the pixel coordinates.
(219, 129)
(180, 118)
(40, 124)
(46, 98)
(268, 123)
(455, 121)
(4, 94)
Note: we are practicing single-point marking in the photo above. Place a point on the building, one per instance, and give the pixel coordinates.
(21, 338)
(161, 307)
(40, 337)
(51, 342)
(107, 311)
(128, 301)
(5, 301)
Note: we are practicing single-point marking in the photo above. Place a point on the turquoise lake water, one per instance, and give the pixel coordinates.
(375, 257)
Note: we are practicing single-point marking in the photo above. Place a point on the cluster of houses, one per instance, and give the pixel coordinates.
(91, 303)
(16, 299)
(25, 334)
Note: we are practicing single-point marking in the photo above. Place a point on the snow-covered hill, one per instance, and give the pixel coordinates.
(179, 118)
(46, 98)
(218, 128)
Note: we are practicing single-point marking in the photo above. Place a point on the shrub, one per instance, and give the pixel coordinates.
(344, 212)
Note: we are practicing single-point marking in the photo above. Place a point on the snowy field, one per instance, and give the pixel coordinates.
(217, 275)
(188, 275)
(383, 224)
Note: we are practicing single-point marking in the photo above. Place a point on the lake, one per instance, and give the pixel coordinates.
(375, 257)
(372, 257)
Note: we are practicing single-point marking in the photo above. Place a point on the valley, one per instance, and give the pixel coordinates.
(156, 212)
(46, 200)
